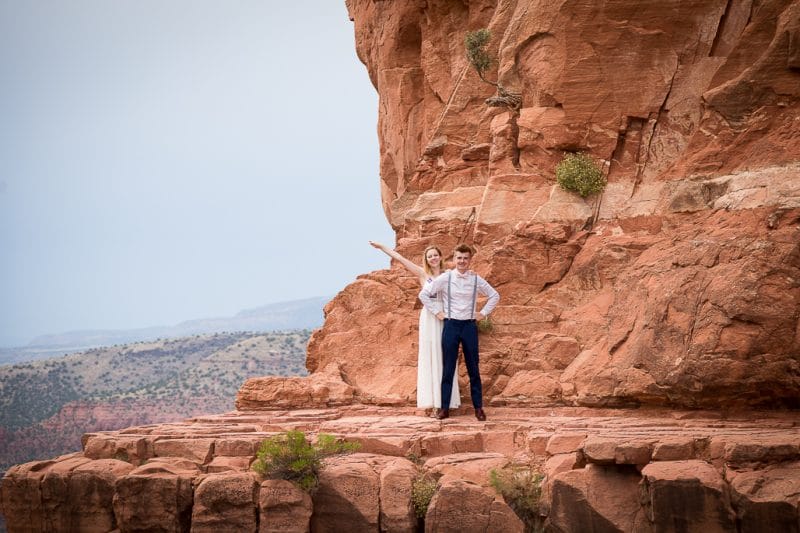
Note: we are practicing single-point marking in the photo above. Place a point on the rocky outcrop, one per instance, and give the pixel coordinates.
(157, 496)
(767, 496)
(226, 501)
(365, 492)
(461, 505)
(598, 498)
(688, 492)
(283, 507)
(678, 285)
(605, 470)
(324, 388)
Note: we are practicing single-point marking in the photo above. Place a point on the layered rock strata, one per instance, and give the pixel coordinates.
(678, 285)
(606, 470)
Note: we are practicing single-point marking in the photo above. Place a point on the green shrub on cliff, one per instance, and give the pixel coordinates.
(521, 487)
(578, 172)
(422, 490)
(290, 456)
(475, 44)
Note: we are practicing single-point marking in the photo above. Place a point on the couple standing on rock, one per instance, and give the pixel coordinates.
(447, 320)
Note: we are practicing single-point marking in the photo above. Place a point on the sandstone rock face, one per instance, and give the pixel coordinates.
(225, 501)
(397, 510)
(35, 496)
(702, 471)
(55, 493)
(283, 507)
(364, 492)
(21, 498)
(471, 467)
(91, 490)
(678, 285)
(463, 506)
(769, 496)
(597, 498)
(679, 493)
(326, 388)
(677, 288)
(347, 499)
(156, 497)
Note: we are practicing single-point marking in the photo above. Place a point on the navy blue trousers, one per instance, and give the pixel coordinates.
(465, 333)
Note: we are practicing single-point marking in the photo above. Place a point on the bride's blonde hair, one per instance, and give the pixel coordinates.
(425, 265)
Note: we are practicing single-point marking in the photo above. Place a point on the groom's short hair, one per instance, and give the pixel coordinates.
(464, 249)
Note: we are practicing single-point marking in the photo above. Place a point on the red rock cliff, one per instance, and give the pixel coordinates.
(678, 285)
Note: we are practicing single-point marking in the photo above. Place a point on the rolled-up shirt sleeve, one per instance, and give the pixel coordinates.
(487, 290)
(428, 293)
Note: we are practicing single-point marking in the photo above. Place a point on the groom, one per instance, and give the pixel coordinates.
(460, 288)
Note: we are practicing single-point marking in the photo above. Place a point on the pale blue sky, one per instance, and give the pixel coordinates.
(164, 160)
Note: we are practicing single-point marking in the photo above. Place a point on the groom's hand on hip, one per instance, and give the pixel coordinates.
(440, 315)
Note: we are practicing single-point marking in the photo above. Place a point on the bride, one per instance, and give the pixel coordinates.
(429, 362)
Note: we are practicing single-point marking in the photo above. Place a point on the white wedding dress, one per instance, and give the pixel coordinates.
(429, 363)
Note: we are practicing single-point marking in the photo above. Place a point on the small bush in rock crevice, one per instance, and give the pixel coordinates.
(476, 45)
(578, 172)
(422, 490)
(521, 487)
(290, 456)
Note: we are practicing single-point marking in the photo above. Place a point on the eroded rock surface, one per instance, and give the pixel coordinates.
(605, 470)
(461, 505)
(767, 496)
(225, 501)
(283, 507)
(678, 285)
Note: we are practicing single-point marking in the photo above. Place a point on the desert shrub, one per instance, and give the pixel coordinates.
(578, 172)
(290, 456)
(521, 487)
(422, 490)
(475, 44)
(485, 325)
(122, 455)
(416, 459)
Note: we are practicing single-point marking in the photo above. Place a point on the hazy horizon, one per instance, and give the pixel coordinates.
(322, 299)
(163, 162)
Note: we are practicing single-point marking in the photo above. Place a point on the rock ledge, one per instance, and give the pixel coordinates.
(627, 470)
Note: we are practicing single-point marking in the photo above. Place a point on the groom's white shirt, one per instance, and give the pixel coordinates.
(458, 300)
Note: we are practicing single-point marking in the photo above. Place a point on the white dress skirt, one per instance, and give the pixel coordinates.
(429, 364)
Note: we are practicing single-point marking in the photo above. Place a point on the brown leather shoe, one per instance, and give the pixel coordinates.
(480, 415)
(443, 413)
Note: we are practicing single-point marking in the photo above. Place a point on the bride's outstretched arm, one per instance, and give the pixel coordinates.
(412, 267)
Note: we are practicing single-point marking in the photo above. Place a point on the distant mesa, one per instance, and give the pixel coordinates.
(280, 316)
(48, 404)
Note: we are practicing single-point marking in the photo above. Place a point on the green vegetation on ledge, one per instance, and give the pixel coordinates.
(290, 456)
(578, 172)
(521, 487)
